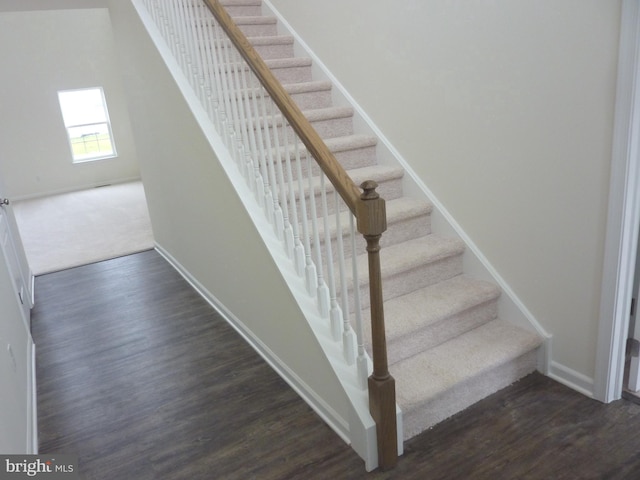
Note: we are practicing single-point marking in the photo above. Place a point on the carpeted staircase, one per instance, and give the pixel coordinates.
(447, 348)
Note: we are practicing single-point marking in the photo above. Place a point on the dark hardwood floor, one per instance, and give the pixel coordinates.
(141, 379)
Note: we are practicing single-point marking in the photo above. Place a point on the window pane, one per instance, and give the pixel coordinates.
(90, 141)
(85, 116)
(80, 107)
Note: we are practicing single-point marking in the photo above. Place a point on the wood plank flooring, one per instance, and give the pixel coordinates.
(142, 379)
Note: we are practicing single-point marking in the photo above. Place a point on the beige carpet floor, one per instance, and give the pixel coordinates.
(77, 228)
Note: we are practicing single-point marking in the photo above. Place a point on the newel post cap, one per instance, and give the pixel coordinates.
(371, 210)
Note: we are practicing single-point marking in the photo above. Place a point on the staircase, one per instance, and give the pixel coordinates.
(447, 348)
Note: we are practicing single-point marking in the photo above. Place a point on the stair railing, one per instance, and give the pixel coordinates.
(287, 165)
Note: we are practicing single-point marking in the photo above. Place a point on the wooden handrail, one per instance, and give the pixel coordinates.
(370, 212)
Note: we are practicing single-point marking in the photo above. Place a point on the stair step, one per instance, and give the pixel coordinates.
(441, 381)
(407, 219)
(389, 180)
(243, 7)
(235, 7)
(411, 265)
(327, 122)
(435, 314)
(257, 26)
(351, 151)
(291, 70)
(268, 47)
(272, 47)
(308, 95)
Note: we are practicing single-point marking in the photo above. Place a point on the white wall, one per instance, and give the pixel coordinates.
(505, 111)
(199, 220)
(42, 52)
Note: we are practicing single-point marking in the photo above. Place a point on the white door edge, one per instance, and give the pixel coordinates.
(623, 215)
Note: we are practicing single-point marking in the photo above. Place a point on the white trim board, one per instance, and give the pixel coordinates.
(623, 216)
(572, 379)
(76, 188)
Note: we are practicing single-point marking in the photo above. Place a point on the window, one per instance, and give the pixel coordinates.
(87, 121)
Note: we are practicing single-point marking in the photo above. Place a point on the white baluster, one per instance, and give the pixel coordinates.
(362, 361)
(286, 187)
(225, 71)
(197, 20)
(298, 249)
(311, 278)
(335, 312)
(278, 216)
(348, 335)
(323, 290)
(211, 80)
(221, 106)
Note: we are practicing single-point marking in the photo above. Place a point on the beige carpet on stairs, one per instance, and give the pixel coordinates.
(87, 226)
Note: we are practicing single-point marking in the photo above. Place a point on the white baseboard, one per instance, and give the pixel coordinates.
(328, 414)
(572, 379)
(75, 188)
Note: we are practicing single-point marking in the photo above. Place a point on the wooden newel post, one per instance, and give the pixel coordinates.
(372, 221)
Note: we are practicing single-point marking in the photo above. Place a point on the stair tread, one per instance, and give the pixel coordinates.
(313, 115)
(303, 87)
(380, 173)
(407, 207)
(254, 20)
(429, 305)
(288, 62)
(292, 88)
(410, 254)
(327, 113)
(398, 209)
(350, 142)
(340, 144)
(429, 373)
(270, 40)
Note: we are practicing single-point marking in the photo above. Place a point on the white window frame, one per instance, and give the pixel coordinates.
(72, 124)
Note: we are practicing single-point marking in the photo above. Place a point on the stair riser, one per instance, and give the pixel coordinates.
(419, 418)
(432, 335)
